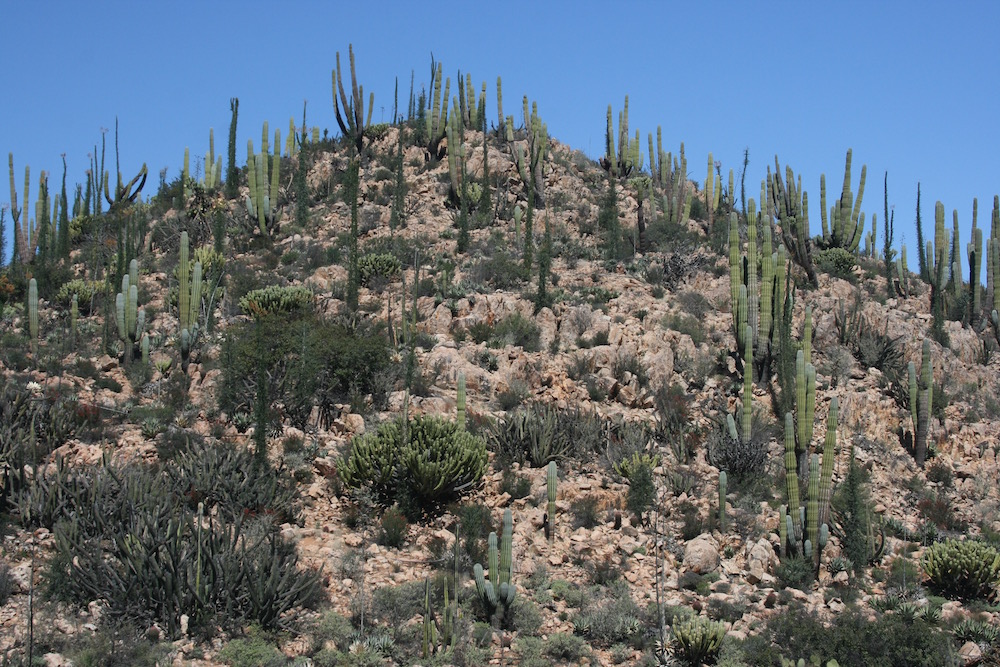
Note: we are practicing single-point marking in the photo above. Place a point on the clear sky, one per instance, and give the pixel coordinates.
(911, 86)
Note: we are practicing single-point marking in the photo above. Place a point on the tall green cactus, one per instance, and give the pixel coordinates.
(791, 206)
(847, 223)
(460, 402)
(353, 122)
(189, 300)
(33, 317)
(921, 392)
(974, 251)
(723, 482)
(552, 481)
(131, 319)
(263, 175)
(497, 592)
(805, 530)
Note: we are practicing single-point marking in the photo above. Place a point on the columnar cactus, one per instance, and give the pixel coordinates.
(723, 482)
(460, 402)
(805, 530)
(847, 223)
(263, 175)
(437, 119)
(131, 319)
(353, 123)
(33, 316)
(552, 481)
(921, 402)
(189, 300)
(497, 592)
(74, 315)
(974, 250)
(791, 206)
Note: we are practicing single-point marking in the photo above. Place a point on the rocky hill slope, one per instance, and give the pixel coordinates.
(144, 525)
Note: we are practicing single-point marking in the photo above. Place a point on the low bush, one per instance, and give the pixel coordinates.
(541, 433)
(275, 300)
(963, 569)
(420, 463)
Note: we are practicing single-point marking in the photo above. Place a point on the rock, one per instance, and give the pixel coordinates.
(759, 558)
(354, 423)
(970, 653)
(56, 660)
(701, 555)
(439, 321)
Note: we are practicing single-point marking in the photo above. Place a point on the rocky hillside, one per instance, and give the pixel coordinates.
(236, 470)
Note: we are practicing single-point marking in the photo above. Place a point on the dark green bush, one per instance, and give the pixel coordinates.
(124, 537)
(275, 300)
(425, 461)
(963, 569)
(378, 266)
(392, 532)
(837, 262)
(851, 640)
(309, 363)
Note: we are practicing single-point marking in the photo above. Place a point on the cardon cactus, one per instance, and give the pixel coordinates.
(921, 402)
(460, 402)
(552, 481)
(131, 319)
(33, 315)
(497, 592)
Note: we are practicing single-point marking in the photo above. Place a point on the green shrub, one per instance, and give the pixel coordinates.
(253, 651)
(310, 363)
(378, 266)
(837, 262)
(795, 573)
(566, 647)
(393, 528)
(963, 569)
(697, 640)
(275, 300)
(518, 331)
(85, 291)
(427, 460)
(615, 620)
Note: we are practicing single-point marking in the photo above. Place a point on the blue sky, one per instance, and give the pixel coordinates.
(912, 88)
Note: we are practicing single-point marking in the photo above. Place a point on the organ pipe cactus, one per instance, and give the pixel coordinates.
(791, 206)
(33, 316)
(552, 480)
(353, 123)
(497, 592)
(804, 530)
(263, 174)
(131, 319)
(437, 119)
(847, 223)
(723, 482)
(460, 402)
(974, 250)
(921, 402)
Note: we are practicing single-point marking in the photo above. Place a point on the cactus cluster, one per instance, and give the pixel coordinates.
(846, 224)
(263, 174)
(758, 302)
(790, 205)
(438, 635)
(497, 592)
(273, 300)
(353, 122)
(189, 300)
(131, 319)
(804, 529)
